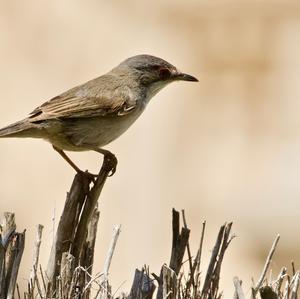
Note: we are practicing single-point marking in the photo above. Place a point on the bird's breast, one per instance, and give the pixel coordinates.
(98, 131)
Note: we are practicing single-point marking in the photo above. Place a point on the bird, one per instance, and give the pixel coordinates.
(91, 115)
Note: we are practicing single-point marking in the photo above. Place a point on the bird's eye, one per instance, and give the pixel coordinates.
(164, 73)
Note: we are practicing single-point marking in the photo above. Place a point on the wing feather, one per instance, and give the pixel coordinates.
(75, 103)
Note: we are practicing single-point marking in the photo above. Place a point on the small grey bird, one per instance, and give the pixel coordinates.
(91, 115)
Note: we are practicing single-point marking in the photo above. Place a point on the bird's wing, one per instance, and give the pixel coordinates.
(75, 104)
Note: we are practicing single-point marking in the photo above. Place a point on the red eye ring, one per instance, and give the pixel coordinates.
(164, 73)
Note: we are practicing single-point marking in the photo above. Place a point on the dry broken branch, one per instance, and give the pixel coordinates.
(72, 259)
(11, 251)
(75, 222)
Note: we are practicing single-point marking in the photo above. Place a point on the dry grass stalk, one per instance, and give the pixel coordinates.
(36, 253)
(266, 267)
(239, 293)
(173, 285)
(69, 272)
(105, 291)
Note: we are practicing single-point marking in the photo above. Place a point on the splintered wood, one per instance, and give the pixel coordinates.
(69, 272)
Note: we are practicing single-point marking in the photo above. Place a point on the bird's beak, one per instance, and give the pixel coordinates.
(185, 77)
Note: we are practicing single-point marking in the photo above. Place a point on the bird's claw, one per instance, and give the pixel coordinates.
(110, 161)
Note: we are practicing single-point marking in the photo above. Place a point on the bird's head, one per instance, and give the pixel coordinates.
(152, 72)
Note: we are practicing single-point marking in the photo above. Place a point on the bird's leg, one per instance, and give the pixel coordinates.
(110, 158)
(73, 165)
(66, 158)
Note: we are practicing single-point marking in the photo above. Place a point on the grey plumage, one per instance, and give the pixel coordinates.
(95, 113)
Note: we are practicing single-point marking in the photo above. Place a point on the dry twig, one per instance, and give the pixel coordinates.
(266, 266)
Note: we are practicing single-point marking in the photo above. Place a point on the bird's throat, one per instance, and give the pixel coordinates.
(154, 88)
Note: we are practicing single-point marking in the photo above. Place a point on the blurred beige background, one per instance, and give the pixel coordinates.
(226, 149)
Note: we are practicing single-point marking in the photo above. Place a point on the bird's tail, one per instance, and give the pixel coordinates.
(19, 129)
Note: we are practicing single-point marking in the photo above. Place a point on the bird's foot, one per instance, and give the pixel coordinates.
(110, 162)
